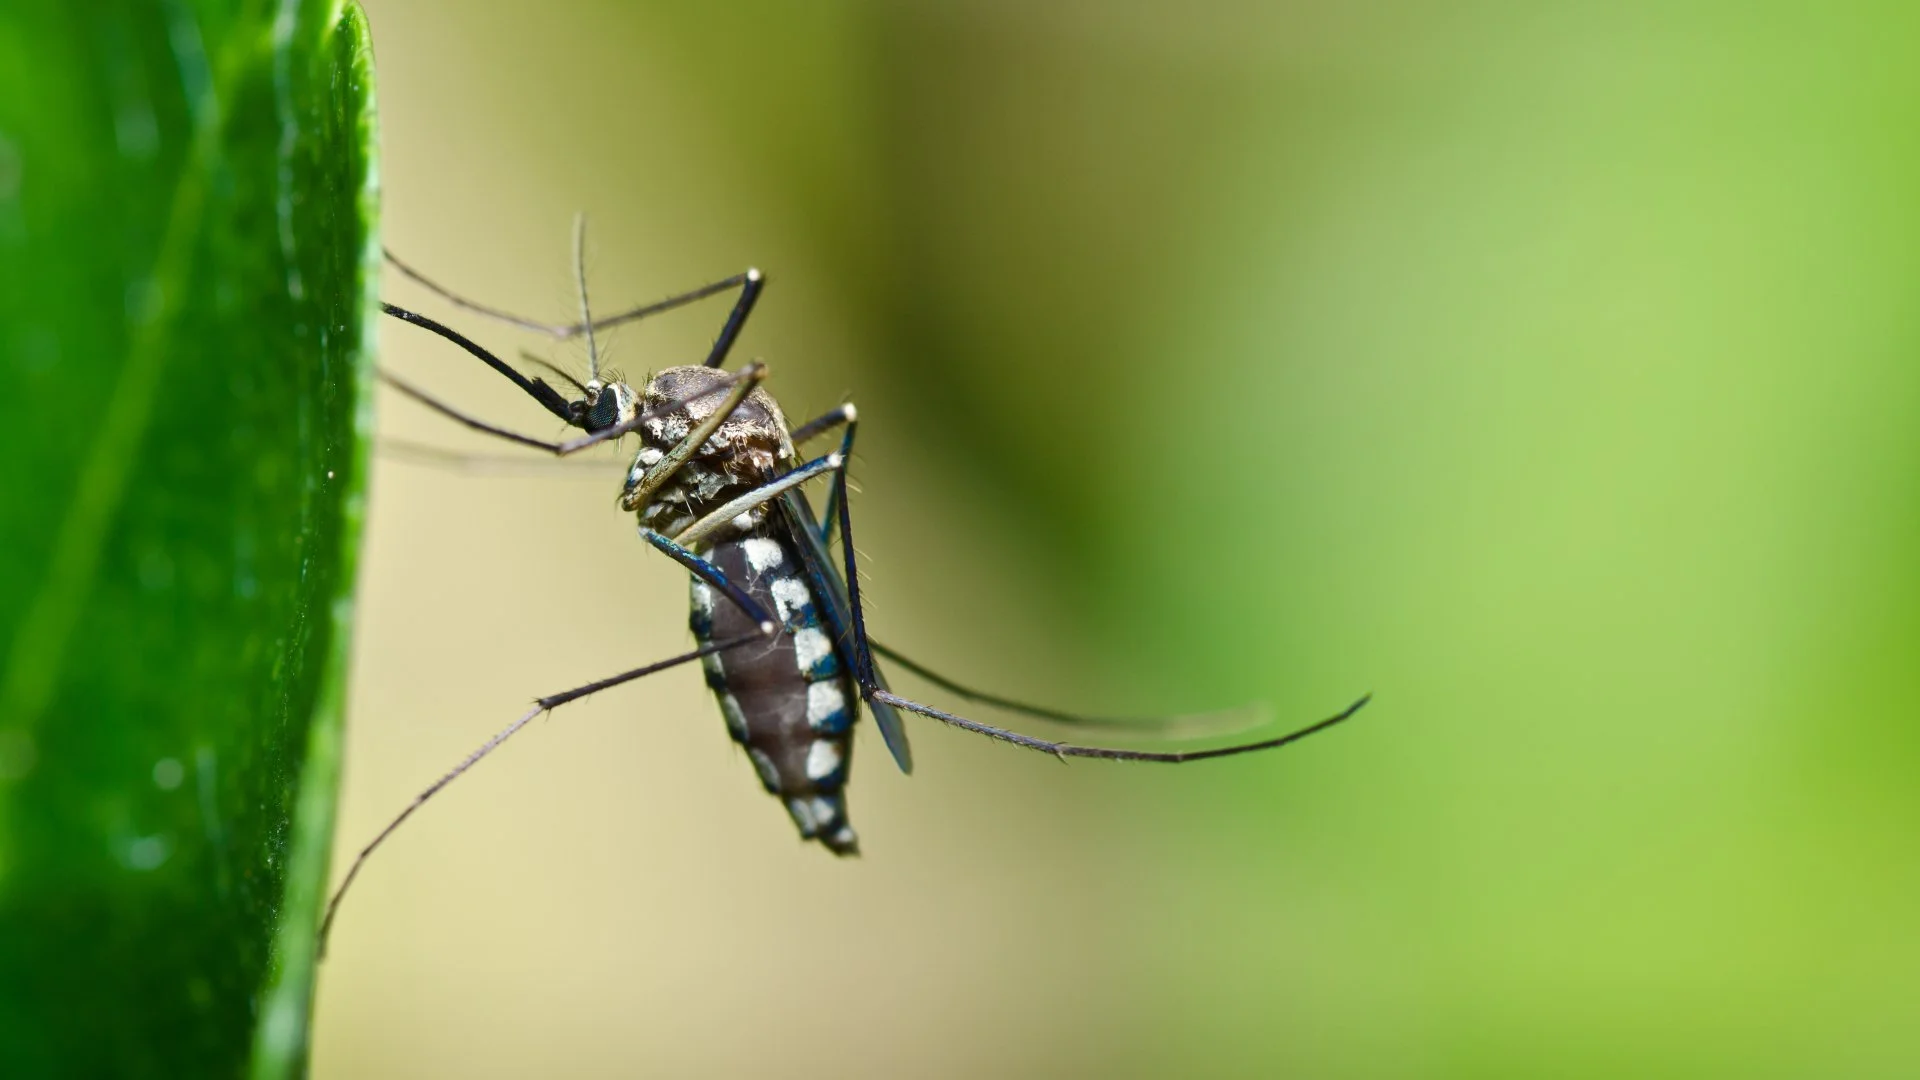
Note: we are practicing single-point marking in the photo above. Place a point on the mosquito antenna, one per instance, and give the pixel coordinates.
(580, 278)
(527, 357)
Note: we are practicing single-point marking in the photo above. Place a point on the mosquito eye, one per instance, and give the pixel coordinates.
(604, 412)
(610, 407)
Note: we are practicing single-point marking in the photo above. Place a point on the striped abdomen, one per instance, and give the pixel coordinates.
(788, 701)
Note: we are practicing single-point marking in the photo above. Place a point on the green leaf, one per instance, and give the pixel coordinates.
(187, 263)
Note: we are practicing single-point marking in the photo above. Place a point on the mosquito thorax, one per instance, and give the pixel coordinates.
(748, 445)
(752, 444)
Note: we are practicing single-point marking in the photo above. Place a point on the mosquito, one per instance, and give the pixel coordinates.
(777, 621)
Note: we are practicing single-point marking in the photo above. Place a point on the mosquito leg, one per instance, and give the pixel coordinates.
(750, 285)
(641, 491)
(812, 537)
(564, 331)
(832, 512)
(737, 318)
(465, 304)
(457, 416)
(717, 519)
(1057, 716)
(1066, 750)
(545, 704)
(825, 422)
(813, 429)
(872, 690)
(714, 577)
(414, 453)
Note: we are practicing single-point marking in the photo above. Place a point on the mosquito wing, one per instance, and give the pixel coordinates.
(831, 593)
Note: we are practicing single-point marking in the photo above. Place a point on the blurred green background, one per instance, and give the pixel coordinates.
(1548, 369)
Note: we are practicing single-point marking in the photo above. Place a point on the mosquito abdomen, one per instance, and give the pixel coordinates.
(788, 701)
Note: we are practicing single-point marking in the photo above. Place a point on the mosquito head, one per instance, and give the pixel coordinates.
(755, 433)
(605, 405)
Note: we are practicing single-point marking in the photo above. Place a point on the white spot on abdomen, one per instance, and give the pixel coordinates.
(810, 646)
(769, 773)
(763, 554)
(804, 816)
(791, 596)
(736, 719)
(824, 700)
(823, 758)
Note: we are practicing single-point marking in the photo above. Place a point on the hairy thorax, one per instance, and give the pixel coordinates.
(749, 448)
